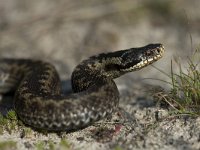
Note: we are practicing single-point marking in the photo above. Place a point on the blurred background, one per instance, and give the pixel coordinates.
(64, 32)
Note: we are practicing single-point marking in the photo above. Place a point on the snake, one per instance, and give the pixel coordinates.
(38, 98)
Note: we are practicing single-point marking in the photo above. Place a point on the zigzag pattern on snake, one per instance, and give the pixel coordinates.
(39, 103)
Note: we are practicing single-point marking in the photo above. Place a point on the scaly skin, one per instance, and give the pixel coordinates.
(38, 101)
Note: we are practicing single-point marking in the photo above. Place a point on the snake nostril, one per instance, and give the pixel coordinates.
(148, 53)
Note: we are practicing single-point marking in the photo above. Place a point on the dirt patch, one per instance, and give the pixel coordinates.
(66, 32)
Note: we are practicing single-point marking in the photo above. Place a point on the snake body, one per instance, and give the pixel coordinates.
(39, 103)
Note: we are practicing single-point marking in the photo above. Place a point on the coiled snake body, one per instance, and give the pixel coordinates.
(39, 103)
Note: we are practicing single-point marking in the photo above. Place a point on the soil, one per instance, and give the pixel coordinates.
(66, 32)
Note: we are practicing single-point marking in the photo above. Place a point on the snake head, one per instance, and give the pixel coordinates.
(137, 58)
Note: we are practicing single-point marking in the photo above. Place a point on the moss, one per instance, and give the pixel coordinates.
(51, 145)
(40, 145)
(118, 148)
(1, 130)
(64, 144)
(8, 145)
(3, 120)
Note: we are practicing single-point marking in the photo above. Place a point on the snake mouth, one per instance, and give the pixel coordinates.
(148, 57)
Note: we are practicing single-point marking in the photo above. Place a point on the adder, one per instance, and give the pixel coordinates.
(39, 103)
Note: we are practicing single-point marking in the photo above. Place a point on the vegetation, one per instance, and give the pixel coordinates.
(184, 96)
(8, 145)
(52, 146)
(8, 122)
(40, 145)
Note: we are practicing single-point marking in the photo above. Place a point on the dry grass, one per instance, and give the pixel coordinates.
(184, 95)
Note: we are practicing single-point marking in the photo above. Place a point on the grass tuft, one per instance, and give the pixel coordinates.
(11, 115)
(184, 96)
(9, 122)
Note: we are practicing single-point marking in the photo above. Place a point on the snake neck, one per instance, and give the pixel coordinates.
(114, 64)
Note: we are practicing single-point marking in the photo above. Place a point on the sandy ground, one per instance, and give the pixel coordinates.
(65, 32)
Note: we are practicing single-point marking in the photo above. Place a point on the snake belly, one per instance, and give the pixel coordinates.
(39, 103)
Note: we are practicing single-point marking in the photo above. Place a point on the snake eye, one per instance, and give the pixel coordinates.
(158, 51)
